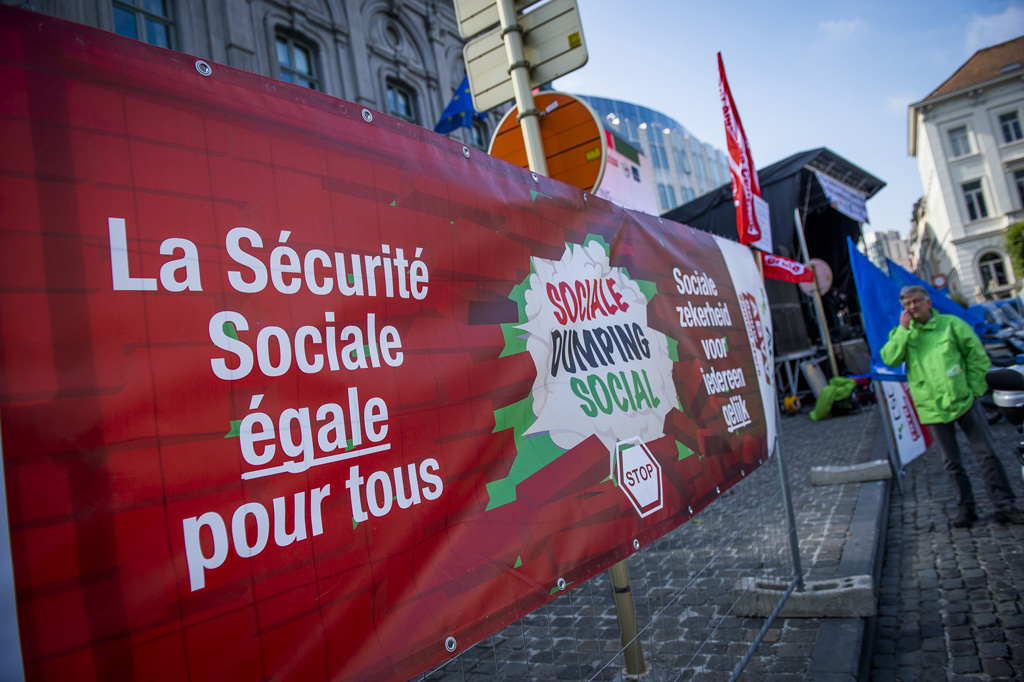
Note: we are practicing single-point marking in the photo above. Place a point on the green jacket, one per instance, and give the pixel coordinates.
(946, 365)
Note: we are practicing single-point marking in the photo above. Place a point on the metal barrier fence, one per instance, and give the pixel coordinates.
(685, 588)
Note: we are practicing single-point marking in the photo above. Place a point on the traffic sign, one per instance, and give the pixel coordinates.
(573, 139)
(476, 16)
(638, 476)
(823, 275)
(552, 44)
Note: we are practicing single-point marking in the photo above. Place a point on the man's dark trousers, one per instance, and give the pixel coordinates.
(980, 438)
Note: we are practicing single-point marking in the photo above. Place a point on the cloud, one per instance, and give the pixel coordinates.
(985, 31)
(839, 29)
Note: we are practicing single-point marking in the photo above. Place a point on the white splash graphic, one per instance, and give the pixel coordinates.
(600, 369)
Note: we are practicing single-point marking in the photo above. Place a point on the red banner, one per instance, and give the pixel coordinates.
(295, 390)
(746, 190)
(786, 269)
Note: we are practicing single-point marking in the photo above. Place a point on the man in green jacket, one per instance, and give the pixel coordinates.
(946, 367)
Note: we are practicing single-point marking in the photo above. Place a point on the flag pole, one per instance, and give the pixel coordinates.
(819, 308)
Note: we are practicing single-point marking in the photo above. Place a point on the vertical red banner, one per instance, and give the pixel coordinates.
(745, 186)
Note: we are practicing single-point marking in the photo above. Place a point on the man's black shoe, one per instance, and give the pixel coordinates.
(1010, 516)
(965, 519)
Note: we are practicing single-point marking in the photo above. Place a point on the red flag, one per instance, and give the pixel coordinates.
(786, 269)
(745, 186)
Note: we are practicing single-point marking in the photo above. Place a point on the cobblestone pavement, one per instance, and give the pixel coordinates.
(684, 585)
(951, 602)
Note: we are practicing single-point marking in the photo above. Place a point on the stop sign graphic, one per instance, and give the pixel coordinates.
(638, 475)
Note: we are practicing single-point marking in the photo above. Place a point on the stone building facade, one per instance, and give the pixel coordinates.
(968, 137)
(402, 57)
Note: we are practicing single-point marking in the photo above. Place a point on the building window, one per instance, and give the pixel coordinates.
(146, 20)
(959, 141)
(479, 136)
(992, 268)
(1010, 125)
(713, 170)
(1018, 180)
(975, 199)
(402, 101)
(682, 161)
(698, 165)
(667, 196)
(296, 60)
(631, 133)
(658, 156)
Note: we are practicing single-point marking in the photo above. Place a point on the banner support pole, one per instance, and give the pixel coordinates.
(787, 500)
(787, 496)
(625, 612)
(890, 437)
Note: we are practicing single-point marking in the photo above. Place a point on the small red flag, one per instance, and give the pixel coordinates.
(786, 269)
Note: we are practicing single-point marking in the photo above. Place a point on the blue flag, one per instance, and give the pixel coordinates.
(459, 112)
(880, 307)
(943, 303)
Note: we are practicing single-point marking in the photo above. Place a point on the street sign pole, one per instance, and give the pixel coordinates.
(519, 70)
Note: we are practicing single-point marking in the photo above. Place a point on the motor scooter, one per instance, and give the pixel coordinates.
(1007, 384)
(1003, 346)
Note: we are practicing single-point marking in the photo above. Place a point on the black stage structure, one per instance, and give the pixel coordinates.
(790, 186)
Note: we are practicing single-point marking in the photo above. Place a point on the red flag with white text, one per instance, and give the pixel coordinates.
(785, 269)
(751, 219)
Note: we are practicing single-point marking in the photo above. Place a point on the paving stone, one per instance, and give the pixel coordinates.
(960, 632)
(998, 668)
(994, 650)
(965, 664)
(963, 647)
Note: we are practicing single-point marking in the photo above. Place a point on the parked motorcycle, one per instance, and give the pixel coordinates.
(1007, 384)
(1003, 345)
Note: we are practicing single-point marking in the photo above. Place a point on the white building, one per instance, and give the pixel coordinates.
(888, 244)
(968, 137)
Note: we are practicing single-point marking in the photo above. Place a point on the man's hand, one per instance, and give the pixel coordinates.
(905, 319)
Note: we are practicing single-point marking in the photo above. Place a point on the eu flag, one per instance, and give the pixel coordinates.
(459, 111)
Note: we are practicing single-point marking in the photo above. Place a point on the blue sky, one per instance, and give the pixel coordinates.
(804, 74)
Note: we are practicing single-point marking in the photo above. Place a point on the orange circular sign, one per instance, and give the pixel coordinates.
(573, 139)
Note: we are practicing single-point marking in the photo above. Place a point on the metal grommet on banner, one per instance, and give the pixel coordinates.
(718, 490)
(449, 644)
(689, 509)
(561, 584)
(465, 151)
(535, 178)
(584, 197)
(743, 472)
(203, 68)
(636, 544)
(367, 116)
